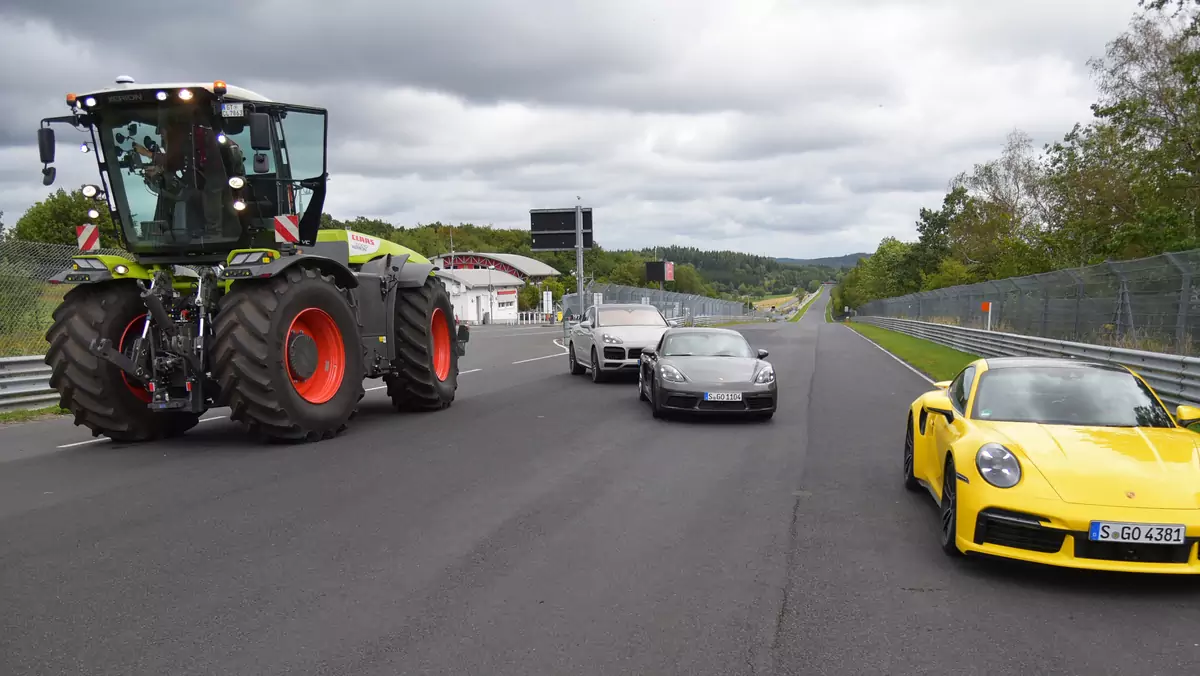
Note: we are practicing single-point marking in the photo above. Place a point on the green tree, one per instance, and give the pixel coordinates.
(54, 219)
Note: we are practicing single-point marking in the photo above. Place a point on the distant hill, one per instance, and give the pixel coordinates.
(847, 261)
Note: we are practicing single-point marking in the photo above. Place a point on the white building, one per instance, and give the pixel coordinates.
(482, 296)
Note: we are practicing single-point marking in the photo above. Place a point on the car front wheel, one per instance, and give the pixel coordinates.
(949, 510)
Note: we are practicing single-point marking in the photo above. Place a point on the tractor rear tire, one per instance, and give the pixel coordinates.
(94, 390)
(426, 364)
(288, 356)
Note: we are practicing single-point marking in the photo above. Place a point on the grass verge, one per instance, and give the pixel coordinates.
(798, 315)
(763, 303)
(936, 361)
(10, 417)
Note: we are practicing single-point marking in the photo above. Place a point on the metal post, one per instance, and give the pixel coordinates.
(579, 258)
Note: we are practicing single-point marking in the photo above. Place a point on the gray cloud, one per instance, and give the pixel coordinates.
(798, 129)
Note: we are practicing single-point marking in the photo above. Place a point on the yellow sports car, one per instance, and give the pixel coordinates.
(1060, 462)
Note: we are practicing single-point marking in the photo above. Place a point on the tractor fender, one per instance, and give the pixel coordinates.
(413, 275)
(344, 276)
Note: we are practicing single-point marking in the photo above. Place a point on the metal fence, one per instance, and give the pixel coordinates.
(27, 300)
(1176, 378)
(669, 303)
(1147, 304)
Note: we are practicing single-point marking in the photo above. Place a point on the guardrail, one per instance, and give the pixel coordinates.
(1176, 378)
(25, 384)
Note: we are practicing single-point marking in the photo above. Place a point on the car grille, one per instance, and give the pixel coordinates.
(1016, 530)
(614, 353)
(752, 402)
(635, 352)
(1129, 552)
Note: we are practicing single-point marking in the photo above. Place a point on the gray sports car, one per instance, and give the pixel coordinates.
(705, 370)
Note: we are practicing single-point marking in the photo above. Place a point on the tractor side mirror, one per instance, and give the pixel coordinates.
(46, 144)
(464, 335)
(260, 131)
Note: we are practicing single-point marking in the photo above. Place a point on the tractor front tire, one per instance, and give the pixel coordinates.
(288, 356)
(94, 390)
(426, 365)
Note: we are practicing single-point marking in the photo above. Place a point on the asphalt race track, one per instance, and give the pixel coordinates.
(544, 525)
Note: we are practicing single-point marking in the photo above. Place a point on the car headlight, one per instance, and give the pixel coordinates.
(765, 376)
(611, 340)
(670, 373)
(998, 466)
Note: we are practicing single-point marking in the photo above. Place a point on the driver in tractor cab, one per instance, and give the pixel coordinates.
(192, 146)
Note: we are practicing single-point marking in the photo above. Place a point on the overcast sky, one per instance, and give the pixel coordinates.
(796, 128)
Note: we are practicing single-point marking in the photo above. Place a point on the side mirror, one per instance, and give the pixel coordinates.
(940, 403)
(650, 352)
(1187, 416)
(946, 413)
(464, 334)
(943, 384)
(260, 131)
(762, 354)
(46, 144)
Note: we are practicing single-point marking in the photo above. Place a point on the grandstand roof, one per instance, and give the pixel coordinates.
(530, 267)
(481, 278)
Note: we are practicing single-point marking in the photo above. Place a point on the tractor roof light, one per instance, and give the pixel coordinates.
(161, 96)
(185, 94)
(236, 182)
(90, 191)
(239, 205)
(89, 101)
(93, 214)
(220, 88)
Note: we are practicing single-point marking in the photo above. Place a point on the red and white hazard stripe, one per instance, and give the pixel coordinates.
(88, 237)
(287, 228)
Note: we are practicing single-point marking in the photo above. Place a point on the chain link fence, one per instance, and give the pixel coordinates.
(670, 303)
(27, 300)
(1147, 304)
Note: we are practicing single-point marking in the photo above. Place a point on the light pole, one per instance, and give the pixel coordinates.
(491, 293)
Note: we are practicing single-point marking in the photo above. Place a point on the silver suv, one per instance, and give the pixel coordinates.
(610, 337)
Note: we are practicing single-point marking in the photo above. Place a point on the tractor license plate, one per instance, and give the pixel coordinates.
(233, 110)
(1137, 533)
(722, 396)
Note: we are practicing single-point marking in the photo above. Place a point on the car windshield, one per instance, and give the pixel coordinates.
(706, 344)
(169, 176)
(1067, 396)
(647, 316)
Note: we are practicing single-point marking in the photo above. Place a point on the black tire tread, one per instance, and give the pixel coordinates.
(240, 358)
(85, 382)
(413, 386)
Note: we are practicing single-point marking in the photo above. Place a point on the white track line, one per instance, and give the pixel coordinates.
(98, 440)
(384, 387)
(519, 333)
(549, 356)
(898, 359)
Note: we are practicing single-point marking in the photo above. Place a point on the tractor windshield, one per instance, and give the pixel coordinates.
(169, 173)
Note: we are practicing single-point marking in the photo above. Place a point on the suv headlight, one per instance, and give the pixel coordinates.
(765, 376)
(998, 466)
(670, 373)
(611, 340)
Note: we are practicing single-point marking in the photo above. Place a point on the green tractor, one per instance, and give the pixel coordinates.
(231, 295)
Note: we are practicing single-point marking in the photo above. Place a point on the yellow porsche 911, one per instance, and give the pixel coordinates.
(1060, 462)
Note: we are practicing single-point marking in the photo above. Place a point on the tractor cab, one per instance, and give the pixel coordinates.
(191, 172)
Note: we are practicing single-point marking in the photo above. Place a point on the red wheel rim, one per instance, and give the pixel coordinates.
(439, 329)
(331, 355)
(139, 391)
